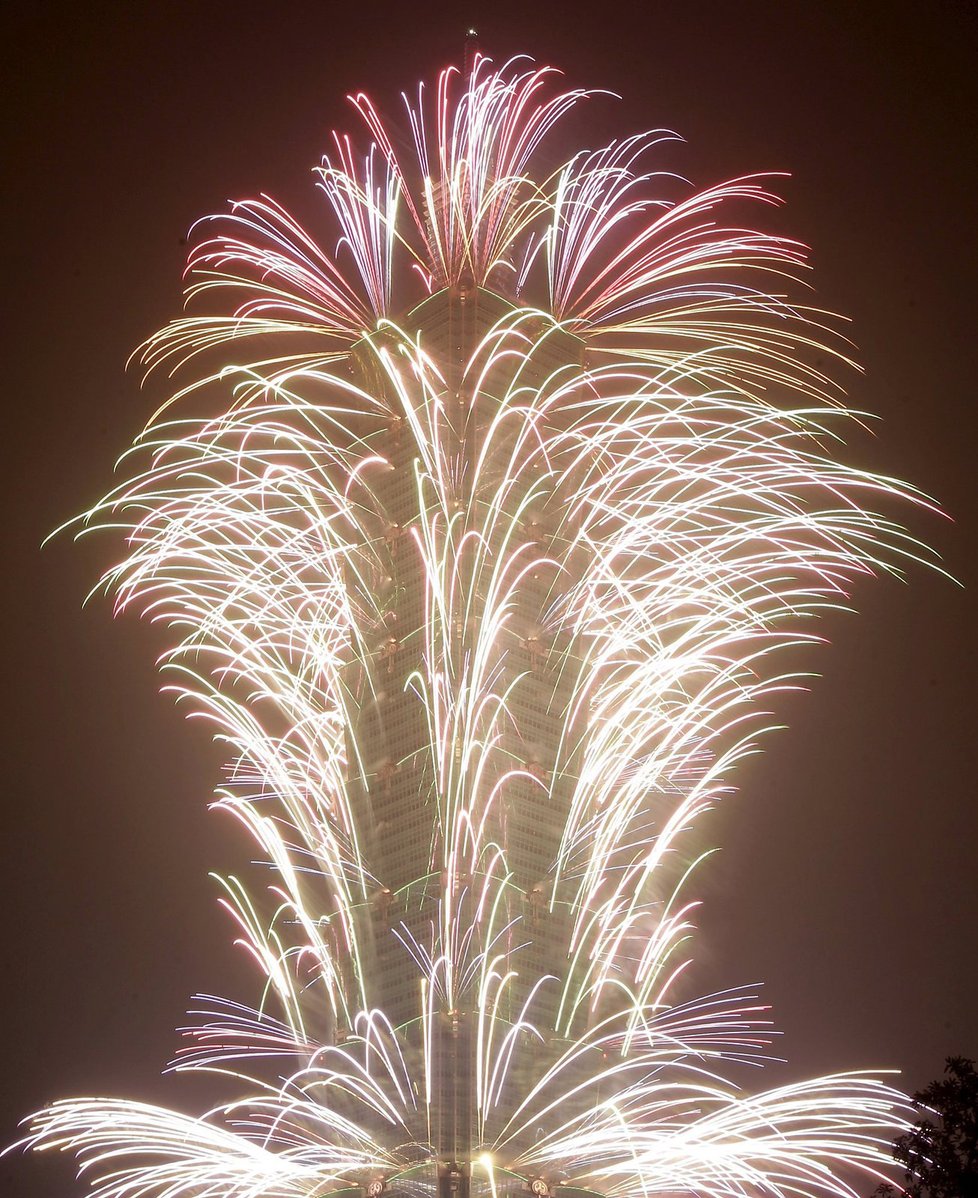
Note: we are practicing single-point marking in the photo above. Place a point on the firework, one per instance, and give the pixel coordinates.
(481, 537)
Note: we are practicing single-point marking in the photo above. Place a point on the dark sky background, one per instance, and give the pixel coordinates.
(847, 880)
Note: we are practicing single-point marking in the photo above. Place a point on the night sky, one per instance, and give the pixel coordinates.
(847, 879)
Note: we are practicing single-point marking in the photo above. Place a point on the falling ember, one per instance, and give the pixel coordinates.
(481, 539)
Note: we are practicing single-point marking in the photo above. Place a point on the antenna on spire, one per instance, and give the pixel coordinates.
(470, 53)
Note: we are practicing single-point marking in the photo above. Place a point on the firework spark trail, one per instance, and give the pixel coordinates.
(554, 416)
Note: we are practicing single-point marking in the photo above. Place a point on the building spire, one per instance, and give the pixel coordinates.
(470, 53)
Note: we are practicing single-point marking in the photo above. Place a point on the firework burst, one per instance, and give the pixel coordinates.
(481, 536)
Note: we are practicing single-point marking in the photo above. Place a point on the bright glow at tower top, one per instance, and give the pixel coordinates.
(482, 518)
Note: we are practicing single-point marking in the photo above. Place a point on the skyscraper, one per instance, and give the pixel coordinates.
(528, 756)
(479, 539)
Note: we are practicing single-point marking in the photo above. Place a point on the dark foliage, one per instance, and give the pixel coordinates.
(940, 1152)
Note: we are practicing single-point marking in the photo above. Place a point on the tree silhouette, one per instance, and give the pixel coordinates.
(940, 1152)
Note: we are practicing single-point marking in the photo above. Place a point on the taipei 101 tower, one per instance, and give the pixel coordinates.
(530, 754)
